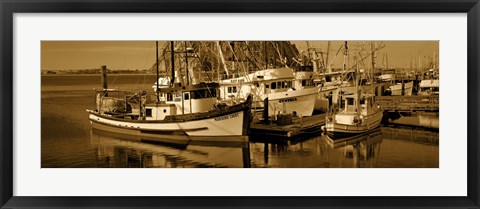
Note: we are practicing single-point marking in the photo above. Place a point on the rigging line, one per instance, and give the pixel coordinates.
(275, 46)
(253, 55)
(333, 60)
(245, 72)
(209, 91)
(197, 55)
(144, 65)
(130, 51)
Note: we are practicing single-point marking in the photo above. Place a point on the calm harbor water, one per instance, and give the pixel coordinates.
(68, 140)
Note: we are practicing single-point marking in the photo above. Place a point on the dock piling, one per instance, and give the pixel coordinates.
(103, 70)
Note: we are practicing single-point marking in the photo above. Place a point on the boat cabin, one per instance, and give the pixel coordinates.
(429, 87)
(258, 83)
(363, 105)
(181, 100)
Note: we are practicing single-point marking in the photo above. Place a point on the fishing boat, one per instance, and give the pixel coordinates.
(429, 87)
(396, 89)
(387, 75)
(178, 112)
(305, 78)
(275, 84)
(360, 112)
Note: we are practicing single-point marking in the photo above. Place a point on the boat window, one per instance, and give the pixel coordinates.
(213, 93)
(186, 96)
(304, 82)
(234, 89)
(284, 84)
(204, 93)
(362, 101)
(349, 101)
(274, 85)
(279, 85)
(169, 97)
(289, 84)
(197, 95)
(229, 90)
(148, 112)
(267, 86)
(328, 78)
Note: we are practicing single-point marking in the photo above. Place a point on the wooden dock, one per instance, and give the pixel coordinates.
(300, 128)
(409, 103)
(410, 134)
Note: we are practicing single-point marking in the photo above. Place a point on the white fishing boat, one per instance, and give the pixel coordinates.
(361, 113)
(396, 89)
(305, 79)
(297, 102)
(179, 112)
(387, 75)
(277, 85)
(429, 87)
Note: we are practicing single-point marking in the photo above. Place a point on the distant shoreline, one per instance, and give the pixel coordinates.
(91, 74)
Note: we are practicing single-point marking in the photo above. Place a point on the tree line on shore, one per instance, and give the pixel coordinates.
(96, 71)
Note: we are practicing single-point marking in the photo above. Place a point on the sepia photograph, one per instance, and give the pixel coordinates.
(240, 104)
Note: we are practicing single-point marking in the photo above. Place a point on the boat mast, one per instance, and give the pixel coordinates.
(326, 59)
(357, 101)
(372, 45)
(156, 63)
(266, 54)
(172, 56)
(186, 64)
(219, 48)
(344, 67)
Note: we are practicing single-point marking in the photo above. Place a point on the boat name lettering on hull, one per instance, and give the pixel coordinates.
(288, 100)
(226, 117)
(237, 81)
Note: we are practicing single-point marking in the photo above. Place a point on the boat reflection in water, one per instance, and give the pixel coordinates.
(363, 149)
(384, 147)
(319, 152)
(429, 120)
(133, 152)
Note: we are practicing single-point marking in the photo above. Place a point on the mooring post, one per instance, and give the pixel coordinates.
(265, 111)
(246, 155)
(104, 80)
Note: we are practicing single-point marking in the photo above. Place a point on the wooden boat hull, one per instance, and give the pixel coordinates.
(224, 123)
(335, 129)
(180, 139)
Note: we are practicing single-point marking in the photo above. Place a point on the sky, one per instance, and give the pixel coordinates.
(66, 55)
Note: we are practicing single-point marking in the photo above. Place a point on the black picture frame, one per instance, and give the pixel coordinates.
(9, 7)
